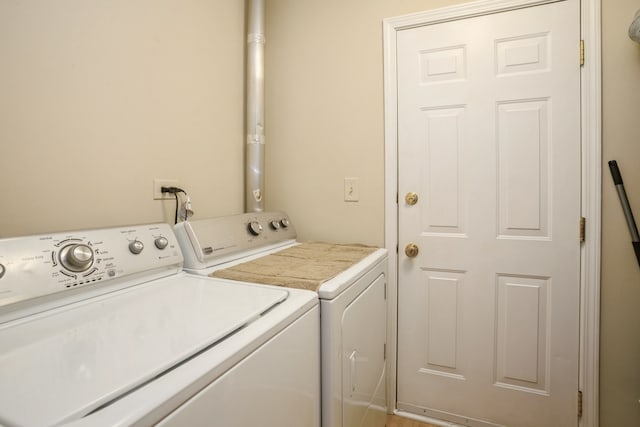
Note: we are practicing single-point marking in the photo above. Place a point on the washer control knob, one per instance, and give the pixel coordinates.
(285, 222)
(161, 242)
(77, 257)
(2, 270)
(255, 228)
(275, 224)
(136, 247)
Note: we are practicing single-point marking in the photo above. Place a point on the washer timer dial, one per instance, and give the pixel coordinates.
(77, 257)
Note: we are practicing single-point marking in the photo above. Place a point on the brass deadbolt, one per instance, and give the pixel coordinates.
(411, 198)
(411, 250)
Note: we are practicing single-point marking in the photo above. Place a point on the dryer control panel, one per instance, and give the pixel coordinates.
(212, 241)
(34, 267)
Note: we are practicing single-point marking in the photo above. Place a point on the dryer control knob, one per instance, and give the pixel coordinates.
(2, 270)
(285, 222)
(161, 242)
(275, 224)
(136, 247)
(255, 228)
(77, 257)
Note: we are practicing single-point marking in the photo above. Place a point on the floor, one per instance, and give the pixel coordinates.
(396, 421)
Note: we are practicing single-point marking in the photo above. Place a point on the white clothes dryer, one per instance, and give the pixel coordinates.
(350, 281)
(104, 328)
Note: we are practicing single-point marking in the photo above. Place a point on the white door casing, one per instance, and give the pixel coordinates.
(451, 117)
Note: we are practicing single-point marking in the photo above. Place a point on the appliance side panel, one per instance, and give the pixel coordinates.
(276, 386)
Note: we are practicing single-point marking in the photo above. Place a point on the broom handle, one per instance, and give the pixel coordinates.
(628, 214)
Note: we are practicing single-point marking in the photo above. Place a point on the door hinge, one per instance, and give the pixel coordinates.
(397, 198)
(581, 52)
(579, 403)
(384, 352)
(583, 229)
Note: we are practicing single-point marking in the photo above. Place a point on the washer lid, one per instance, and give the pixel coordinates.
(62, 364)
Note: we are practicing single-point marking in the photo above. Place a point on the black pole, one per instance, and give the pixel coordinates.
(628, 214)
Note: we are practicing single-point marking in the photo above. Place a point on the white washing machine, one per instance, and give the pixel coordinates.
(262, 248)
(104, 328)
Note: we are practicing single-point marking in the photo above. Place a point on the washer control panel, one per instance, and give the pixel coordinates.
(36, 266)
(210, 241)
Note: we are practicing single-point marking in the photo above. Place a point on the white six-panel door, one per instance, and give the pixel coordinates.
(489, 140)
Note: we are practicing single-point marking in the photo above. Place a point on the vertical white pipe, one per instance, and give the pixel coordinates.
(254, 154)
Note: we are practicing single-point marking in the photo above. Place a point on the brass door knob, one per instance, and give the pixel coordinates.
(411, 250)
(411, 198)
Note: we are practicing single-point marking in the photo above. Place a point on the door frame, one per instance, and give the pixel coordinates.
(591, 125)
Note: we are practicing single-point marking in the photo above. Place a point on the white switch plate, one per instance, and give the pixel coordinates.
(158, 183)
(351, 190)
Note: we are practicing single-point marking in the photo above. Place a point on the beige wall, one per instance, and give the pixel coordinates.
(324, 122)
(324, 113)
(98, 98)
(620, 292)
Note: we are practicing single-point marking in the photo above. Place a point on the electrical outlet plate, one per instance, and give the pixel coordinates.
(158, 183)
(351, 190)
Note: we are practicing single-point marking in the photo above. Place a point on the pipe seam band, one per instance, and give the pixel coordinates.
(256, 38)
(255, 139)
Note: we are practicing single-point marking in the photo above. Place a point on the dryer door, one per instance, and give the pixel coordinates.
(363, 362)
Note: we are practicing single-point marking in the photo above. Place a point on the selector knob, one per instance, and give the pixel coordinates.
(77, 257)
(285, 222)
(136, 247)
(2, 270)
(161, 242)
(255, 228)
(275, 224)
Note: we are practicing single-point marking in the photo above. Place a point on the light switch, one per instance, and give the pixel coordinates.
(351, 190)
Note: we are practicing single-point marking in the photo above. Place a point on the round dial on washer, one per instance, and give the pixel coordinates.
(255, 228)
(161, 242)
(2, 270)
(136, 247)
(275, 224)
(77, 257)
(284, 222)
